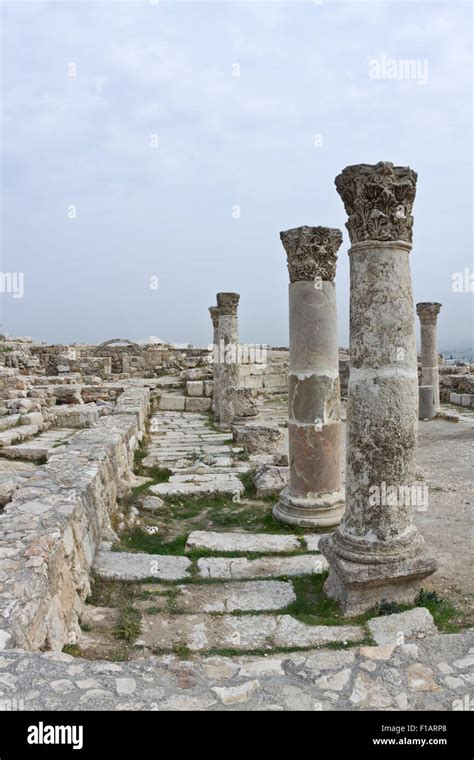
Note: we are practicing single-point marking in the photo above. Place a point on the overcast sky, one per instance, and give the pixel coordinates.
(132, 113)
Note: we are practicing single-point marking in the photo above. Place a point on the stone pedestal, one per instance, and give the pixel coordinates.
(377, 553)
(314, 497)
(428, 314)
(228, 345)
(214, 312)
(426, 402)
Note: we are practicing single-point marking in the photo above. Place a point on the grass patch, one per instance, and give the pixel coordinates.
(72, 649)
(211, 423)
(313, 607)
(137, 540)
(109, 593)
(129, 624)
(247, 481)
(182, 651)
(139, 455)
(447, 617)
(389, 608)
(156, 474)
(220, 512)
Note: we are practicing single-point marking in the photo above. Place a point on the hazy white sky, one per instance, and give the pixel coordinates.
(88, 84)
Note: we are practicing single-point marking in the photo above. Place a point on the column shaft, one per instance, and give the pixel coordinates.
(428, 314)
(228, 342)
(214, 312)
(314, 496)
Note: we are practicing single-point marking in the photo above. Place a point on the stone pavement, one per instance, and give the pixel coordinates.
(199, 457)
(435, 673)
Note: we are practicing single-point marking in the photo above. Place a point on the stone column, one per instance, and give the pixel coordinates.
(228, 342)
(377, 552)
(428, 314)
(214, 312)
(426, 402)
(314, 497)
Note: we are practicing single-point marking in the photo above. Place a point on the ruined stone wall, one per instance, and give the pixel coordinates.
(50, 531)
(272, 375)
(457, 385)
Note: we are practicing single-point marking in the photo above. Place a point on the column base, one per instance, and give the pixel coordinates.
(310, 511)
(359, 586)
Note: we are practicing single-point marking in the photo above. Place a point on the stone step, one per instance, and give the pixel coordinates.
(169, 449)
(240, 632)
(249, 542)
(264, 567)
(13, 475)
(9, 421)
(75, 415)
(186, 467)
(189, 485)
(169, 382)
(16, 435)
(126, 566)
(243, 596)
(172, 402)
(168, 438)
(43, 445)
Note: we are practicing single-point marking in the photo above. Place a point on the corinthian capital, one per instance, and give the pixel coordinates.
(227, 303)
(214, 312)
(428, 312)
(378, 201)
(311, 252)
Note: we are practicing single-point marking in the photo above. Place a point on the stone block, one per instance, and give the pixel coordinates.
(172, 403)
(242, 542)
(258, 369)
(252, 381)
(76, 416)
(194, 387)
(397, 628)
(32, 418)
(228, 597)
(259, 439)
(134, 567)
(197, 404)
(265, 567)
(270, 480)
(275, 381)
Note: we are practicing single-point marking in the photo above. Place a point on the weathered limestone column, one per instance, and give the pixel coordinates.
(314, 496)
(428, 314)
(214, 312)
(228, 342)
(426, 402)
(377, 552)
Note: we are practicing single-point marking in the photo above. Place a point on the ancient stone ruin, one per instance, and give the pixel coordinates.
(243, 526)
